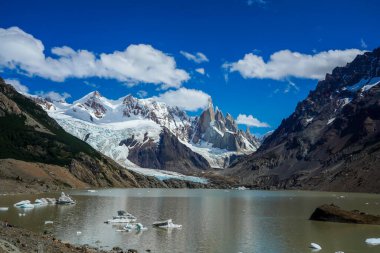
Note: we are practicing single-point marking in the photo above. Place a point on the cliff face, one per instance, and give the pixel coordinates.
(331, 141)
(222, 132)
(169, 154)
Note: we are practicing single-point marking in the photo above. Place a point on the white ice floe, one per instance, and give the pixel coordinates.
(166, 224)
(315, 246)
(41, 202)
(24, 204)
(65, 199)
(373, 241)
(129, 227)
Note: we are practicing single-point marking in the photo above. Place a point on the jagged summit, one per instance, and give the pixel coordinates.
(142, 122)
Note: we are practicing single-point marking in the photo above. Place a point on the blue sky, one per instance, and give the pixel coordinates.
(224, 31)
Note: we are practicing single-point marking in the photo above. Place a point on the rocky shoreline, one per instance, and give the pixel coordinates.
(19, 240)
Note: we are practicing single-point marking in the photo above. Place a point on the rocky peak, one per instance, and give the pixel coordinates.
(93, 102)
(96, 94)
(206, 118)
(330, 141)
(129, 100)
(222, 132)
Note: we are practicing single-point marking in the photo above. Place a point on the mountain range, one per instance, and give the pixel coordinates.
(330, 142)
(37, 154)
(150, 134)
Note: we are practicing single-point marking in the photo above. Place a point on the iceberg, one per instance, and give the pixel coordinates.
(373, 241)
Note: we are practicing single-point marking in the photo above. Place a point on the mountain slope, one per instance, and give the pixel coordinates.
(147, 133)
(330, 142)
(35, 150)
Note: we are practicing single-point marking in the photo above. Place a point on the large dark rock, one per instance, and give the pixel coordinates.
(331, 141)
(334, 213)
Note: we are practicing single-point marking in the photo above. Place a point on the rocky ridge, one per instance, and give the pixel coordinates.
(330, 142)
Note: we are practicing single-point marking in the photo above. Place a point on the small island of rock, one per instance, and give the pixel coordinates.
(334, 213)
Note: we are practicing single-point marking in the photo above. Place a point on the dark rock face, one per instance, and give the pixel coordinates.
(334, 213)
(168, 154)
(330, 142)
(222, 132)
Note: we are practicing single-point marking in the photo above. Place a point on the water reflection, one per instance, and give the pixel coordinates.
(213, 220)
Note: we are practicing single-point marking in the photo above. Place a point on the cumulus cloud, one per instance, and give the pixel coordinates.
(17, 85)
(285, 63)
(249, 120)
(200, 71)
(197, 57)
(136, 64)
(54, 96)
(186, 99)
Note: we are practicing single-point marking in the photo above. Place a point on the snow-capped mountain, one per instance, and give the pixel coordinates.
(147, 133)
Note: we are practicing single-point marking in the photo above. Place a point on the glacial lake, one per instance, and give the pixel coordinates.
(213, 220)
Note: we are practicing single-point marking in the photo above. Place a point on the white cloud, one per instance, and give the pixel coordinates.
(200, 71)
(197, 57)
(291, 85)
(54, 96)
(363, 44)
(93, 85)
(286, 63)
(186, 99)
(142, 93)
(17, 85)
(136, 64)
(249, 120)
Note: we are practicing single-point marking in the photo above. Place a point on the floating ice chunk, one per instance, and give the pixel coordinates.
(23, 202)
(41, 202)
(373, 241)
(315, 246)
(79, 232)
(166, 224)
